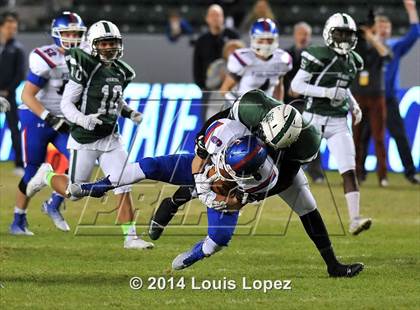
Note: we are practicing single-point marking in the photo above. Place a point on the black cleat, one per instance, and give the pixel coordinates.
(347, 271)
(155, 230)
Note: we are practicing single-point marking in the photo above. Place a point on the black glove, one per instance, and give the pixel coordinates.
(57, 123)
(200, 148)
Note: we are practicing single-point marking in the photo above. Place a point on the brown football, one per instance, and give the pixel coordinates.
(221, 187)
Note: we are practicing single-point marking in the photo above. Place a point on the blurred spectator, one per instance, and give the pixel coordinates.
(369, 91)
(234, 11)
(261, 9)
(399, 47)
(217, 70)
(216, 74)
(302, 34)
(12, 64)
(177, 26)
(209, 45)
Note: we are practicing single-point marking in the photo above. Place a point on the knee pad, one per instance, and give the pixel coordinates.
(210, 247)
(30, 171)
(305, 202)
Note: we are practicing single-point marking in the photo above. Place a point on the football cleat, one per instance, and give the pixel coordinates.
(359, 224)
(20, 226)
(95, 189)
(345, 271)
(413, 178)
(190, 257)
(38, 180)
(137, 244)
(52, 209)
(155, 230)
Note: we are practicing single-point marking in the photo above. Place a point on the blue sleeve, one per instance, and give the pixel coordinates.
(403, 45)
(36, 79)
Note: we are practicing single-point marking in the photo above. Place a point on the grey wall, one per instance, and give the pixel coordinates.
(156, 60)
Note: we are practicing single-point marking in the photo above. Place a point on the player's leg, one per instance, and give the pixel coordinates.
(34, 143)
(341, 146)
(378, 124)
(221, 226)
(167, 210)
(173, 169)
(112, 164)
(51, 207)
(300, 199)
(395, 125)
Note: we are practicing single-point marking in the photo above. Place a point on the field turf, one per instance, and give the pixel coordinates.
(89, 269)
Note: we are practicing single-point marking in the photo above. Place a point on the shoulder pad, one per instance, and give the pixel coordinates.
(318, 54)
(358, 60)
(80, 64)
(129, 72)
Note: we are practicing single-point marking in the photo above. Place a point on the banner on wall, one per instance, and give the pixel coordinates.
(173, 113)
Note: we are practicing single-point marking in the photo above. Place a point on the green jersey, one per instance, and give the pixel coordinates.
(329, 69)
(103, 87)
(254, 106)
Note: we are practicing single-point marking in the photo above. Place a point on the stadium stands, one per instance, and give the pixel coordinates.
(149, 16)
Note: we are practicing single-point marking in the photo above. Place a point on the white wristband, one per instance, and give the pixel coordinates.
(44, 114)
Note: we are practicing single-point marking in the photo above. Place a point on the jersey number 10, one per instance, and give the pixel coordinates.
(110, 106)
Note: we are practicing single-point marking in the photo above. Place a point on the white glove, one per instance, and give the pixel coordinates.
(4, 105)
(208, 199)
(203, 182)
(89, 122)
(336, 94)
(357, 113)
(136, 117)
(204, 192)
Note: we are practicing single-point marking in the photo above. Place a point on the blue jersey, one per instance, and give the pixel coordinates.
(399, 48)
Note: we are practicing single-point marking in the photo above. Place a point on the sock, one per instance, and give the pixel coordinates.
(316, 230)
(353, 204)
(20, 211)
(169, 206)
(165, 212)
(129, 230)
(48, 177)
(55, 201)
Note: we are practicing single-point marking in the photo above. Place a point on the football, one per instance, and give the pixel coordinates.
(221, 187)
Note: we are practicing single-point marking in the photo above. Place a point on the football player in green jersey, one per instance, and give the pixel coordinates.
(291, 142)
(324, 79)
(92, 102)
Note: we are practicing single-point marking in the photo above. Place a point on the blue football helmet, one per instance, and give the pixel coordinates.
(264, 28)
(241, 159)
(67, 21)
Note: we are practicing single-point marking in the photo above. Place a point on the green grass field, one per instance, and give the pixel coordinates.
(88, 267)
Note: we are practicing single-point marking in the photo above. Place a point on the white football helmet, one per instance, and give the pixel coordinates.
(105, 31)
(281, 126)
(340, 33)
